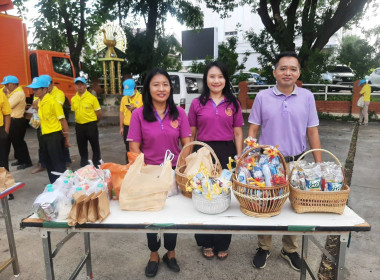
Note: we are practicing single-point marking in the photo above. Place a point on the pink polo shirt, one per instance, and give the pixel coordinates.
(159, 136)
(215, 122)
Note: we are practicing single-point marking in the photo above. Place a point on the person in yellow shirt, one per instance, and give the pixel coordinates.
(5, 122)
(54, 128)
(87, 113)
(61, 98)
(17, 100)
(131, 100)
(366, 92)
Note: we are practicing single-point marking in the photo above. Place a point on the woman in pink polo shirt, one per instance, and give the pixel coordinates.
(216, 119)
(156, 127)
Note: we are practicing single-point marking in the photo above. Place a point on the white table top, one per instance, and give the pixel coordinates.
(179, 213)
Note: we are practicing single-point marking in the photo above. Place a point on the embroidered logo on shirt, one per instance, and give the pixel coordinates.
(174, 124)
(228, 112)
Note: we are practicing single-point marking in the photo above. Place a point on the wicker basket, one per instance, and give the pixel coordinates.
(318, 201)
(218, 203)
(257, 201)
(181, 166)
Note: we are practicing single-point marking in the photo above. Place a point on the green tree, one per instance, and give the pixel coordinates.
(166, 54)
(358, 54)
(226, 54)
(65, 23)
(155, 13)
(314, 21)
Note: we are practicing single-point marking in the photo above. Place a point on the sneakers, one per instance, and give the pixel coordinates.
(260, 258)
(293, 259)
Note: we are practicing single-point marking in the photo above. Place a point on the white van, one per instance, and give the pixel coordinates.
(187, 87)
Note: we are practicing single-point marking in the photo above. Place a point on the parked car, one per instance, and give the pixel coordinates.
(260, 80)
(187, 87)
(250, 76)
(374, 79)
(339, 75)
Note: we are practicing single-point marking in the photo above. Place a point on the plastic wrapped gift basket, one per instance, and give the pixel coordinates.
(259, 182)
(181, 177)
(216, 205)
(330, 197)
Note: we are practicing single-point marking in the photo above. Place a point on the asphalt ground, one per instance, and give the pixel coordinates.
(124, 255)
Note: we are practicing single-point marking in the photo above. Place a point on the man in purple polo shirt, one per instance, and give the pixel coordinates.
(286, 115)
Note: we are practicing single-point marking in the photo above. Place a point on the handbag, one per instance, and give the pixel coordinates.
(145, 188)
(360, 102)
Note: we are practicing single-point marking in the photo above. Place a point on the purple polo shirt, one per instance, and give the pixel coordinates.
(284, 119)
(157, 137)
(215, 122)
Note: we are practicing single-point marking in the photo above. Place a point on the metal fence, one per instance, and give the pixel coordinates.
(316, 89)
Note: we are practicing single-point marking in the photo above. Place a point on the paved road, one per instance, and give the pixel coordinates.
(124, 256)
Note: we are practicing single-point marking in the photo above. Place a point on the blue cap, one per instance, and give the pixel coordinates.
(10, 80)
(362, 82)
(46, 78)
(39, 82)
(80, 79)
(129, 87)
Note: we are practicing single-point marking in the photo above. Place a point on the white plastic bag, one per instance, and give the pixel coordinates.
(360, 102)
(174, 187)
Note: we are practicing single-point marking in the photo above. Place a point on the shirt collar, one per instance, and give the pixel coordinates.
(45, 99)
(277, 92)
(83, 95)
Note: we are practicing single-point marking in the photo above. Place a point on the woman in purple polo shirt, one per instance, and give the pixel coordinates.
(156, 127)
(216, 119)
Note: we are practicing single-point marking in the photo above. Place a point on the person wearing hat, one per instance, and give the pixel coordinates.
(54, 128)
(87, 114)
(17, 100)
(60, 97)
(131, 100)
(5, 122)
(366, 92)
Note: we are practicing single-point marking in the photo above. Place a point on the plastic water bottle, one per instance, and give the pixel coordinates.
(267, 175)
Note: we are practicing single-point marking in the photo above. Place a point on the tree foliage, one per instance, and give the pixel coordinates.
(359, 55)
(166, 54)
(67, 24)
(226, 54)
(155, 13)
(313, 21)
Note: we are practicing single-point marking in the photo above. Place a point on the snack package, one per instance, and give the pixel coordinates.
(35, 121)
(313, 177)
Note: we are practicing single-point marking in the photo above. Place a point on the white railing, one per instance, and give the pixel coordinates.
(326, 89)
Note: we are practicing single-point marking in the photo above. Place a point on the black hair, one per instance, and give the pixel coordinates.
(205, 96)
(147, 97)
(286, 54)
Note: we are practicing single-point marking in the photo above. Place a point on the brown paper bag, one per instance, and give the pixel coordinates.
(75, 210)
(92, 216)
(103, 206)
(194, 160)
(83, 214)
(145, 188)
(6, 179)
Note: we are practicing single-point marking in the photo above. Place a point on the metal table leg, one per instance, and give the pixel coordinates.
(341, 256)
(87, 248)
(48, 258)
(305, 245)
(11, 238)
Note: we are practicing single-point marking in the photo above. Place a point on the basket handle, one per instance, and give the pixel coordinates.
(315, 150)
(260, 147)
(193, 143)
